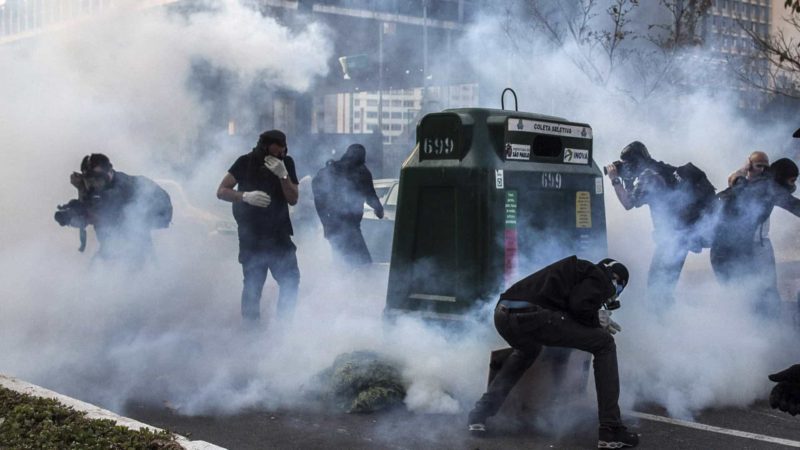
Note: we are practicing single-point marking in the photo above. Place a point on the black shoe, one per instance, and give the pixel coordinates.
(618, 437)
(477, 424)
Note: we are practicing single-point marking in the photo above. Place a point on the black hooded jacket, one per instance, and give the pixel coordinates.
(342, 187)
(575, 286)
(744, 207)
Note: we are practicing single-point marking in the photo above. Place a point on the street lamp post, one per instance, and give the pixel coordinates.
(380, 77)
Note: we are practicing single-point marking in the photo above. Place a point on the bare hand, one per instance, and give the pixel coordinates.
(76, 179)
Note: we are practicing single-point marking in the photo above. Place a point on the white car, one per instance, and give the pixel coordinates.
(378, 233)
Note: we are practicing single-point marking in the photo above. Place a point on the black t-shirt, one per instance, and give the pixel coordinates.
(260, 224)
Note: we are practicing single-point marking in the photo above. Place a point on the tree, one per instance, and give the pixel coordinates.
(617, 48)
(773, 66)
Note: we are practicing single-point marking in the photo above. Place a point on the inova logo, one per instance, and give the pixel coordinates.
(576, 156)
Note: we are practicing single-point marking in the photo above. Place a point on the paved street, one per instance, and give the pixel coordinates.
(402, 430)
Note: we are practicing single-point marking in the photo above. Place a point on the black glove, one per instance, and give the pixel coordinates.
(786, 394)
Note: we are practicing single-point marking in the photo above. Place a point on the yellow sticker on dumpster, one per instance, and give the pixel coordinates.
(583, 209)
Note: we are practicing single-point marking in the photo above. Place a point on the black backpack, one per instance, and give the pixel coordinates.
(159, 205)
(700, 194)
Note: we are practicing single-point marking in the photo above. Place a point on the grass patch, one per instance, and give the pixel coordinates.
(28, 422)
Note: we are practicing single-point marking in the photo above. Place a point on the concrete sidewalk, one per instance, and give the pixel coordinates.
(95, 412)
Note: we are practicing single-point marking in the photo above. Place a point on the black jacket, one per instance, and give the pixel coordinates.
(575, 286)
(341, 188)
(744, 207)
(125, 212)
(132, 203)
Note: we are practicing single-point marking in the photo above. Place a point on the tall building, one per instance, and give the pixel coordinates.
(728, 20)
(728, 27)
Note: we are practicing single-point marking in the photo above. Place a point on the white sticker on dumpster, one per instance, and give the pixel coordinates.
(498, 179)
(518, 151)
(557, 129)
(576, 156)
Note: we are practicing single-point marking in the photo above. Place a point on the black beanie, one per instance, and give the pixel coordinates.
(271, 137)
(783, 169)
(616, 268)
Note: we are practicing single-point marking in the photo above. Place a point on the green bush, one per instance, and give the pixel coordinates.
(28, 422)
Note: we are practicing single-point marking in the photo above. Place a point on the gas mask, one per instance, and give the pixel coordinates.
(613, 302)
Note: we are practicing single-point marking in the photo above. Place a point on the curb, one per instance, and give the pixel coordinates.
(95, 412)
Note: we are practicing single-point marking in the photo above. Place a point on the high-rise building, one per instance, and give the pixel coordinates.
(728, 27)
(728, 21)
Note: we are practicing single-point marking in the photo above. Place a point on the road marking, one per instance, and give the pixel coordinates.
(713, 429)
(431, 297)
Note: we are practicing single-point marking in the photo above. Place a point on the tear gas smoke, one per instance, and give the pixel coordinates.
(708, 349)
(172, 332)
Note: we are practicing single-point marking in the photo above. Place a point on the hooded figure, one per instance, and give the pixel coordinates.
(340, 190)
(744, 207)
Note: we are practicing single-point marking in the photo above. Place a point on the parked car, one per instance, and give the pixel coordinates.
(378, 233)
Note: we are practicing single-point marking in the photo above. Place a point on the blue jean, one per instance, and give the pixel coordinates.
(282, 262)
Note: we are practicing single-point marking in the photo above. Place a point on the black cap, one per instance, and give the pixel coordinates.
(272, 137)
(617, 268)
(796, 133)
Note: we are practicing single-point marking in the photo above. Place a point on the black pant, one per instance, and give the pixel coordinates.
(282, 261)
(752, 263)
(527, 332)
(348, 244)
(665, 270)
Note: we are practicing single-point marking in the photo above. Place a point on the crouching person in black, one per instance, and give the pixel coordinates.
(123, 209)
(566, 304)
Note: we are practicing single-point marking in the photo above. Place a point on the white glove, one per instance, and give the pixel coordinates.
(257, 198)
(276, 166)
(606, 323)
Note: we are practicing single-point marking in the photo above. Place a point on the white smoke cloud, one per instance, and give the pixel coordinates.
(709, 349)
(172, 333)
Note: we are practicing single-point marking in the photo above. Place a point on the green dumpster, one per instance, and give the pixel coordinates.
(486, 197)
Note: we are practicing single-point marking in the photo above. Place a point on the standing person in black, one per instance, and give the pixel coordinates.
(562, 306)
(340, 190)
(681, 204)
(266, 184)
(745, 207)
(123, 209)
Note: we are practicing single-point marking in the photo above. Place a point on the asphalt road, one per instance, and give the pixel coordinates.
(284, 429)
